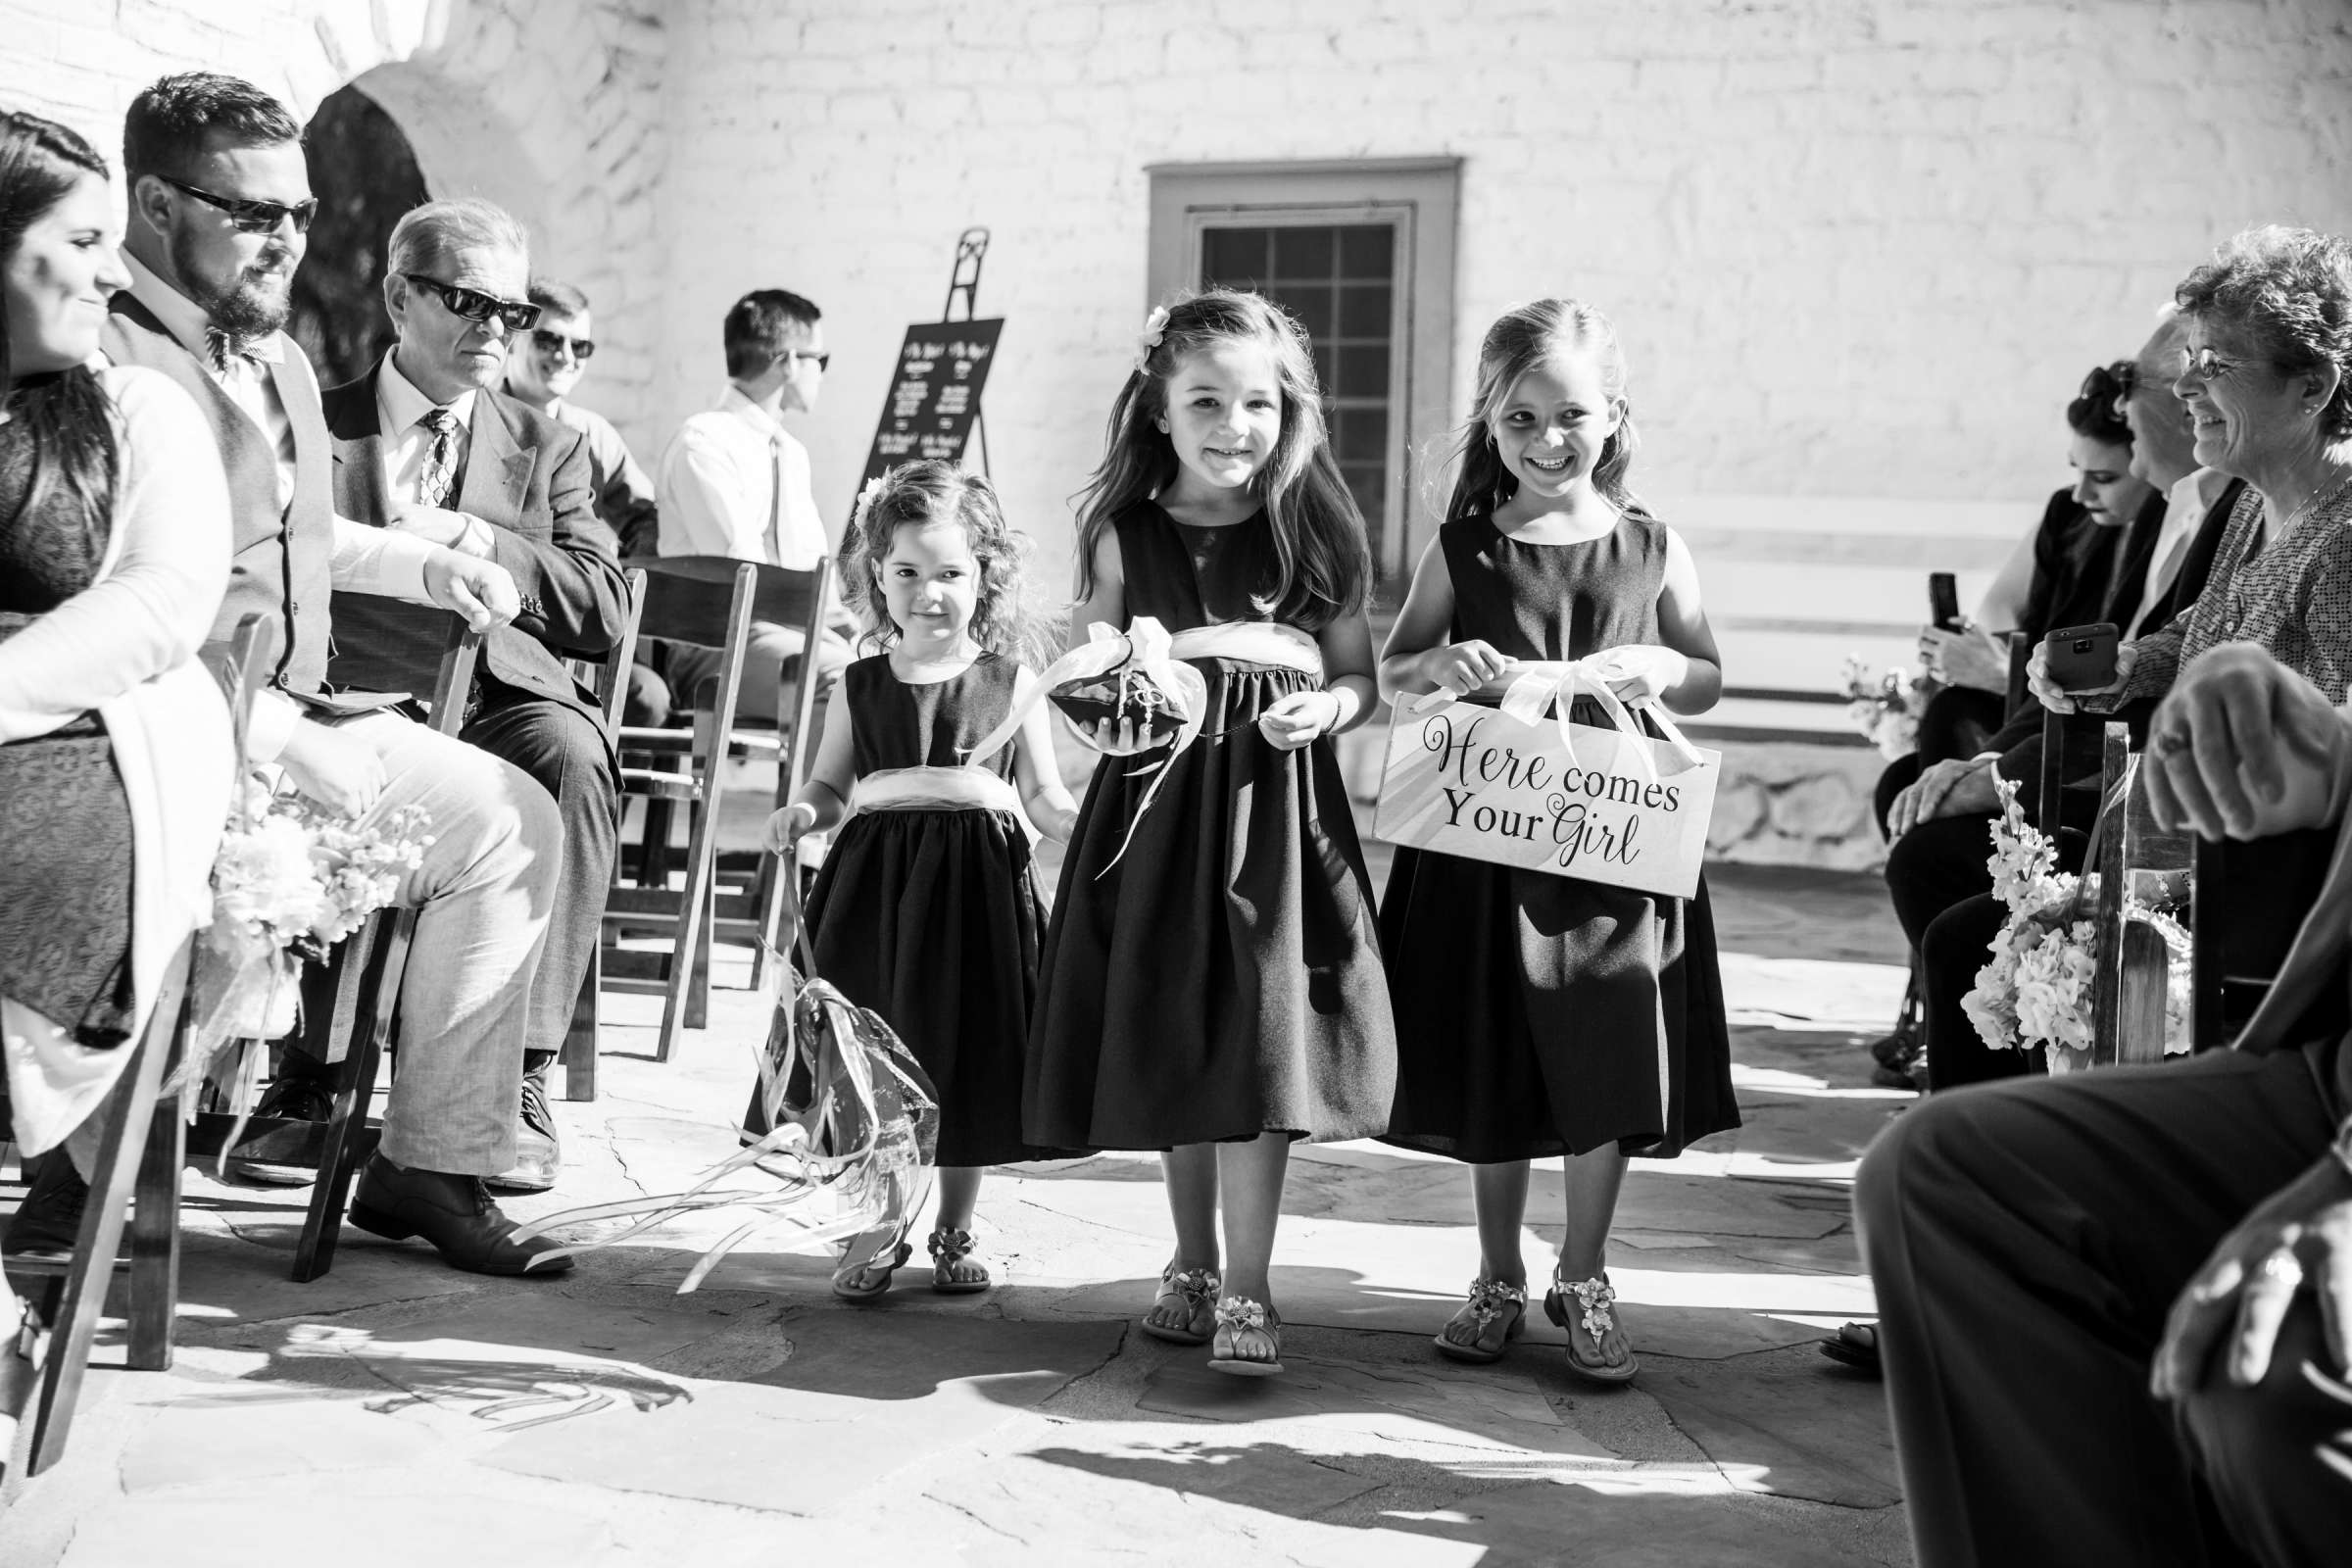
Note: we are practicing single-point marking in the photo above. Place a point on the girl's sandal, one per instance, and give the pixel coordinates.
(1592, 1298)
(1489, 1300)
(1237, 1316)
(1197, 1289)
(949, 1249)
(870, 1280)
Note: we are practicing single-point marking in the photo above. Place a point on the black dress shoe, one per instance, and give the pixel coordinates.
(49, 1222)
(452, 1213)
(284, 1158)
(538, 1154)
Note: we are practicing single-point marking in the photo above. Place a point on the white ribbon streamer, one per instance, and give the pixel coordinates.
(1534, 685)
(933, 789)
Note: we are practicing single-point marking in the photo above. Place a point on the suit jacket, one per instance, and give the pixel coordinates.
(2020, 740)
(281, 557)
(525, 475)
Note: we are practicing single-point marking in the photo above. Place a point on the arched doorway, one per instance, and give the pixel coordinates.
(364, 176)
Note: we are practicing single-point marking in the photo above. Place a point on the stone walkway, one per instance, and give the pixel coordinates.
(398, 1412)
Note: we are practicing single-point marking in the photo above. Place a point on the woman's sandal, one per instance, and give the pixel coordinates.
(1237, 1316)
(876, 1270)
(1488, 1300)
(948, 1248)
(1197, 1288)
(1592, 1298)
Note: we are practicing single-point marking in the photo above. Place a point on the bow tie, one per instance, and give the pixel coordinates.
(221, 348)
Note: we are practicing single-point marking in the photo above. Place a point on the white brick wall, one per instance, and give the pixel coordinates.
(1856, 248)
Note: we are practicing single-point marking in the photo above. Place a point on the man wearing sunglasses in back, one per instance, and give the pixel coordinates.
(219, 203)
(544, 368)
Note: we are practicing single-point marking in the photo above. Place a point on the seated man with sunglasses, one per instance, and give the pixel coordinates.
(544, 368)
(425, 446)
(734, 483)
(219, 204)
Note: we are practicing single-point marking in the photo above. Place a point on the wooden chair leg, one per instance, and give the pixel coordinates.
(579, 1042)
(687, 1000)
(41, 1439)
(348, 1140)
(155, 1237)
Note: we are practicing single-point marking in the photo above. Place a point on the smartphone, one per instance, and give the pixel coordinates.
(1943, 601)
(2083, 657)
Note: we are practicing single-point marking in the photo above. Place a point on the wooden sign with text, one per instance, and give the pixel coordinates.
(1473, 781)
(935, 395)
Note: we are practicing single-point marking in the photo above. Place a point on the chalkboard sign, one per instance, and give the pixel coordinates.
(935, 395)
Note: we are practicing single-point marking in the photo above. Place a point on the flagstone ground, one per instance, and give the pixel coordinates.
(400, 1412)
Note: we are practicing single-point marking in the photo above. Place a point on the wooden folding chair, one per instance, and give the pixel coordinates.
(712, 602)
(2137, 860)
(140, 1159)
(609, 678)
(352, 1037)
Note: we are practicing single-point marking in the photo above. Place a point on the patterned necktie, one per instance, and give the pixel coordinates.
(775, 501)
(439, 475)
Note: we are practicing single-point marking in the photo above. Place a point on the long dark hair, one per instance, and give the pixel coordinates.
(1522, 338)
(66, 417)
(1322, 554)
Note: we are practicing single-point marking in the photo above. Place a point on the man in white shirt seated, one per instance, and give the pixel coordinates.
(733, 482)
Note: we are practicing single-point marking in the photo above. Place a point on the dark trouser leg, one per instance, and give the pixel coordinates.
(1934, 866)
(2026, 1241)
(1958, 944)
(1898, 776)
(2278, 1456)
(566, 752)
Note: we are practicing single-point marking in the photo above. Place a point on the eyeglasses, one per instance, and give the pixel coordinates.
(824, 360)
(475, 306)
(2203, 365)
(583, 349)
(2112, 383)
(252, 217)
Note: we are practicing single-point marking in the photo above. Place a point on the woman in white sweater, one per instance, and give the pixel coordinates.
(115, 749)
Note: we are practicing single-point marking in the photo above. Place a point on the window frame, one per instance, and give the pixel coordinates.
(1421, 198)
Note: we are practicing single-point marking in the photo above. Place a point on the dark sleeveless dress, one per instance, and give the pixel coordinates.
(64, 824)
(931, 917)
(1539, 1014)
(1223, 978)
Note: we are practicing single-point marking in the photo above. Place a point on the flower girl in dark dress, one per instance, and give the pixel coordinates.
(927, 910)
(1212, 986)
(1539, 1014)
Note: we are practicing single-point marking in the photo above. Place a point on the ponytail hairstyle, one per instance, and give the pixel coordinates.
(65, 419)
(1322, 554)
(2097, 410)
(1522, 338)
(926, 492)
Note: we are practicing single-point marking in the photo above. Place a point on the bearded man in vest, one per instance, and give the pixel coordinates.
(425, 446)
(219, 201)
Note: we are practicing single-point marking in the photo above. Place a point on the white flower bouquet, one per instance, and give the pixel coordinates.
(1885, 707)
(2035, 989)
(290, 881)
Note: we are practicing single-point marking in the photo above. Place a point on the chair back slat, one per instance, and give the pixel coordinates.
(2021, 654)
(689, 599)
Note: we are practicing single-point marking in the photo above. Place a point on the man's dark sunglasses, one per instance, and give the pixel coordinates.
(475, 306)
(251, 217)
(583, 349)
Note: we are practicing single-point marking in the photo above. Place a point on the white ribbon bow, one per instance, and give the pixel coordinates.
(1561, 684)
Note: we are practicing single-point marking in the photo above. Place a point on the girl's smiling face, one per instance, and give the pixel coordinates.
(1224, 412)
(1551, 426)
(930, 582)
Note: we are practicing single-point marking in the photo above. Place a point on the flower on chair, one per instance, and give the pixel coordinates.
(1155, 330)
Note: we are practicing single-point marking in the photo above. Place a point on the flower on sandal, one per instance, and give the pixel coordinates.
(1240, 1312)
(1488, 1298)
(1156, 329)
(1594, 1296)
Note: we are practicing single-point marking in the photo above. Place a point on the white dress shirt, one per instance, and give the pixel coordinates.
(733, 482)
(2184, 507)
(366, 560)
(400, 411)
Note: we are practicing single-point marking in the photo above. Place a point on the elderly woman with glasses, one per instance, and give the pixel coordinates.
(2266, 374)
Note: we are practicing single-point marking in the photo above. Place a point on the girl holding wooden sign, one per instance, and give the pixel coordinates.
(1538, 1013)
(1212, 984)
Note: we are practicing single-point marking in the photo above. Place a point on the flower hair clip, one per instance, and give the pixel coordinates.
(1155, 328)
(865, 503)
